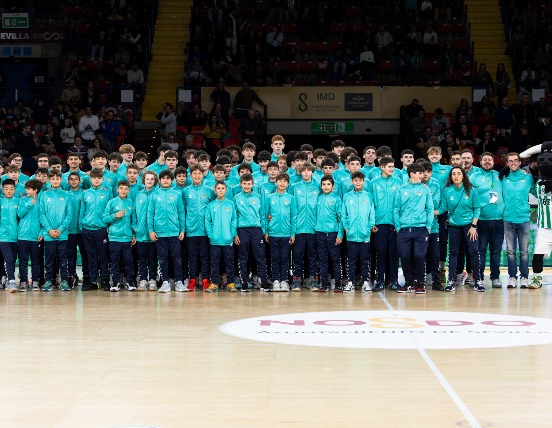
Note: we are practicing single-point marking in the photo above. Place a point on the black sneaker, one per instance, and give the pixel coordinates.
(90, 286)
(266, 287)
(406, 288)
(394, 286)
(437, 286)
(378, 286)
(420, 289)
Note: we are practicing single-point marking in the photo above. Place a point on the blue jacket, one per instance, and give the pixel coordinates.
(384, 191)
(75, 198)
(440, 173)
(166, 216)
(328, 214)
(357, 216)
(120, 229)
(435, 190)
(462, 208)
(221, 222)
(306, 198)
(56, 212)
(413, 207)
(29, 221)
(281, 208)
(515, 191)
(250, 210)
(8, 219)
(196, 199)
(93, 203)
(141, 214)
(485, 182)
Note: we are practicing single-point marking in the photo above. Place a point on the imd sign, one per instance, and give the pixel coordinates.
(395, 329)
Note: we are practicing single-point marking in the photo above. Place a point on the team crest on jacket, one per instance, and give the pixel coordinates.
(171, 198)
(419, 193)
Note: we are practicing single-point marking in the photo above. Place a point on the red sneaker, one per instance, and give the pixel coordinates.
(192, 285)
(205, 282)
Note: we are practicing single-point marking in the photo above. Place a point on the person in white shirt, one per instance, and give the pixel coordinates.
(88, 125)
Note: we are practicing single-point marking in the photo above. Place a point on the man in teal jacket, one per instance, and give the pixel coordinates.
(357, 215)
(196, 199)
(94, 232)
(221, 223)
(413, 218)
(167, 226)
(120, 219)
(55, 216)
(516, 186)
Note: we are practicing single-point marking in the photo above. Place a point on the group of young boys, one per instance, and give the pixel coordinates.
(281, 223)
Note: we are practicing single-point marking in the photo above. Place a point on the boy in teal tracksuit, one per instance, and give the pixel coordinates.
(196, 199)
(120, 219)
(145, 247)
(75, 234)
(8, 231)
(55, 215)
(221, 223)
(250, 232)
(385, 187)
(73, 162)
(94, 231)
(433, 247)
(305, 193)
(328, 232)
(167, 226)
(413, 217)
(133, 178)
(29, 236)
(281, 215)
(357, 215)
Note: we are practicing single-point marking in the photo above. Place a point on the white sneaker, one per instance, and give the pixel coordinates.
(179, 286)
(512, 282)
(143, 285)
(171, 282)
(11, 286)
(332, 284)
(165, 287)
(523, 283)
(276, 286)
(152, 285)
(35, 286)
(349, 288)
(460, 278)
(366, 287)
(284, 286)
(115, 288)
(22, 287)
(469, 280)
(186, 282)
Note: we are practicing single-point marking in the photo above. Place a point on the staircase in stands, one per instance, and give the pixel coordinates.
(166, 68)
(488, 37)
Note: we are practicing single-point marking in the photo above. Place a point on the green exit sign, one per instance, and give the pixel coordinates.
(332, 127)
(15, 20)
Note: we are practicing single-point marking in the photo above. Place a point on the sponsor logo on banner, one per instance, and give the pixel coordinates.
(395, 329)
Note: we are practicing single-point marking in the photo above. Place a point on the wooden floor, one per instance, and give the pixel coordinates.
(103, 359)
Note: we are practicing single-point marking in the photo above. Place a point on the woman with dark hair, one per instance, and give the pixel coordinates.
(502, 82)
(463, 108)
(463, 207)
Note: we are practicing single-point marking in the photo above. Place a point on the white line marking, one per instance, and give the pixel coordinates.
(472, 420)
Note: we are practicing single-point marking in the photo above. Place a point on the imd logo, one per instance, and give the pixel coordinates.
(395, 329)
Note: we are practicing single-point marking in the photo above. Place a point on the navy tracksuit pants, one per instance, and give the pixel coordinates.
(118, 250)
(147, 260)
(53, 249)
(218, 252)
(97, 250)
(9, 253)
(169, 247)
(356, 251)
(385, 242)
(25, 250)
(251, 237)
(279, 255)
(198, 252)
(304, 241)
(328, 251)
(412, 247)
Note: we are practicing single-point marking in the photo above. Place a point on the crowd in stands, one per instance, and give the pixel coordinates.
(481, 127)
(284, 43)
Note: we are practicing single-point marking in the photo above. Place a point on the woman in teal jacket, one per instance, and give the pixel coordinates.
(461, 202)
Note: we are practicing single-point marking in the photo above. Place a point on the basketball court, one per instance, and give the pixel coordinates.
(99, 359)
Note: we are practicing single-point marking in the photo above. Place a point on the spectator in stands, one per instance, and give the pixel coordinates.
(484, 79)
(414, 37)
(244, 99)
(50, 141)
(486, 144)
(167, 119)
(67, 135)
(222, 118)
(527, 79)
(431, 42)
(120, 75)
(521, 140)
(418, 125)
(485, 118)
(88, 125)
(504, 139)
(291, 11)
(78, 148)
(442, 8)
(90, 97)
(111, 130)
(229, 30)
(305, 24)
(121, 115)
(99, 43)
(402, 63)
(135, 79)
(121, 55)
(451, 76)
(20, 107)
(96, 147)
(195, 73)
(26, 143)
(275, 43)
(439, 117)
(367, 62)
(485, 102)
(502, 82)
(222, 96)
(198, 117)
(504, 116)
(71, 95)
(412, 110)
(384, 42)
(252, 128)
(524, 112)
(182, 116)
